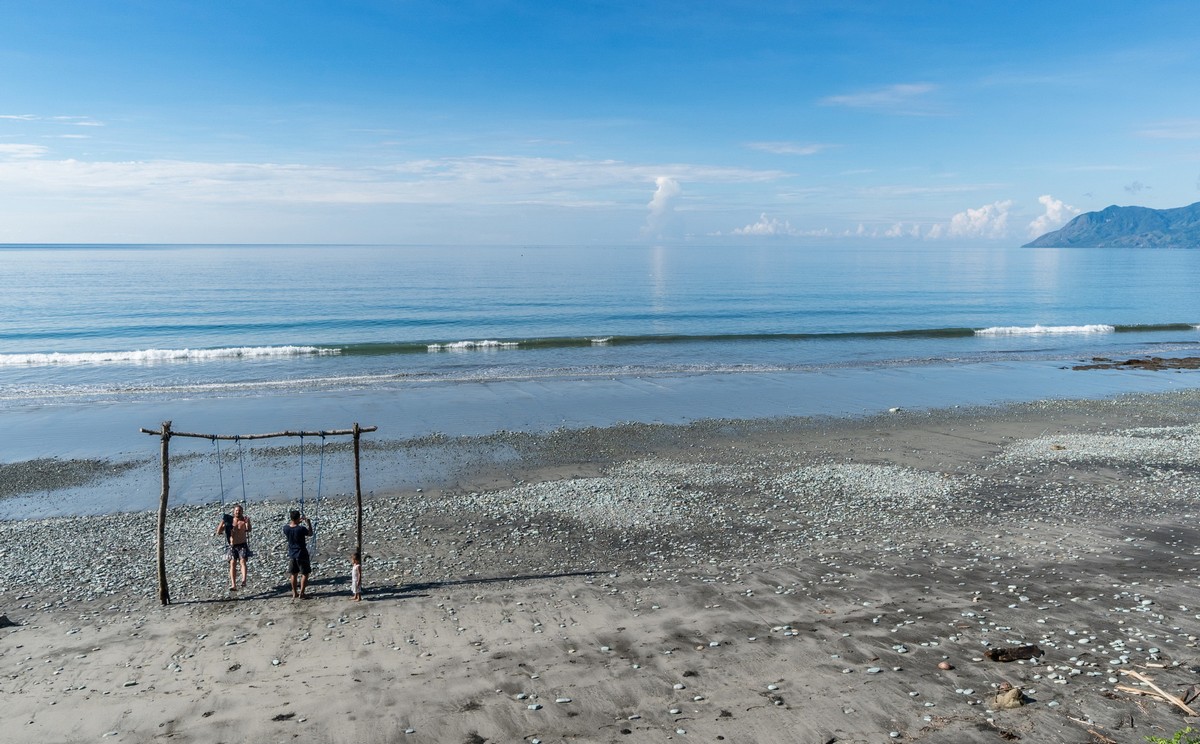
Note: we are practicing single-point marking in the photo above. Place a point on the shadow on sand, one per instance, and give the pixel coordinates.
(338, 587)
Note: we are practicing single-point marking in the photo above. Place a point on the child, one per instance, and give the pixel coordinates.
(356, 577)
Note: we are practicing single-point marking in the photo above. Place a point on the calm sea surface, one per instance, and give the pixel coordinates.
(97, 341)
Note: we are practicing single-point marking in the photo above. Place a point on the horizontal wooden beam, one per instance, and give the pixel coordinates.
(273, 435)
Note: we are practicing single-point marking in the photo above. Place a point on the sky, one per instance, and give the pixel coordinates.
(587, 122)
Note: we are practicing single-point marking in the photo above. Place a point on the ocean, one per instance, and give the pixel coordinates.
(97, 342)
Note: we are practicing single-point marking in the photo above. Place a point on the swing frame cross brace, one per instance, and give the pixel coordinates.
(165, 433)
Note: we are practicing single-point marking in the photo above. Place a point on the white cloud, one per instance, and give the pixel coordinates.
(22, 151)
(988, 221)
(1057, 214)
(904, 98)
(767, 226)
(788, 148)
(665, 191)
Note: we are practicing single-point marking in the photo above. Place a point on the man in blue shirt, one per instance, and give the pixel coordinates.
(297, 532)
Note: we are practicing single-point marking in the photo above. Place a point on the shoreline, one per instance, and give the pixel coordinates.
(784, 580)
(56, 486)
(110, 429)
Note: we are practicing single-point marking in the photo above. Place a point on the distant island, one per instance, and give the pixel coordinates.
(1128, 227)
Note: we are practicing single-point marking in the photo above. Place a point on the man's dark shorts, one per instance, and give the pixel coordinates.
(237, 552)
(299, 566)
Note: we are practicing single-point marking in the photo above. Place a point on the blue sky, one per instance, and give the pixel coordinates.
(389, 121)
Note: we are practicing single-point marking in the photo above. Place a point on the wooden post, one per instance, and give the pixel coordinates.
(164, 593)
(358, 492)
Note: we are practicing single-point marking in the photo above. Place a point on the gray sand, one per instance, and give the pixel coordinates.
(851, 555)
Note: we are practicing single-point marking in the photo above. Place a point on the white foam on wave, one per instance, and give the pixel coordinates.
(601, 341)
(473, 345)
(1041, 330)
(153, 356)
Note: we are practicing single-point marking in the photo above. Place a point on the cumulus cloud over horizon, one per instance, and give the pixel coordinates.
(1057, 214)
(988, 221)
(660, 206)
(767, 226)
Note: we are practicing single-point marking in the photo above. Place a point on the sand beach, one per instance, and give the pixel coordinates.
(798, 580)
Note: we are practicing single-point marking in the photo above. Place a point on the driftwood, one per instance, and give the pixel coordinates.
(1016, 653)
(1154, 691)
(1090, 727)
(164, 594)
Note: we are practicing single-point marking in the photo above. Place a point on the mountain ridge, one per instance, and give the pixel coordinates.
(1128, 227)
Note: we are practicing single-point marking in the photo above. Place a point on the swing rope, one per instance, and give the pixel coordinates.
(320, 481)
(220, 474)
(302, 475)
(226, 520)
(241, 465)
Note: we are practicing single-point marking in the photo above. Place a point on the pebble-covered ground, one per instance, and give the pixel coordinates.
(653, 498)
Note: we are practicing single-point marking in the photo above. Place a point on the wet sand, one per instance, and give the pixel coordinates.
(792, 581)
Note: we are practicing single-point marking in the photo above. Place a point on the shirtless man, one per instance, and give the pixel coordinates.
(236, 528)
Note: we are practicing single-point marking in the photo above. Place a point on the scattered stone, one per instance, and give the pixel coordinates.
(1008, 697)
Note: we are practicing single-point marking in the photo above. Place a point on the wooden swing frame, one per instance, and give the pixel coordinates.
(165, 433)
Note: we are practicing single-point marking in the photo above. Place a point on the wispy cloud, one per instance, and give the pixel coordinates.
(491, 180)
(22, 151)
(1177, 129)
(903, 190)
(907, 99)
(78, 121)
(789, 148)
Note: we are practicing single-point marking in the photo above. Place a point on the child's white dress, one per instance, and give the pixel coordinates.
(356, 579)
